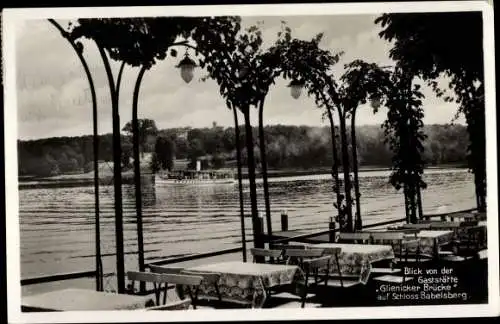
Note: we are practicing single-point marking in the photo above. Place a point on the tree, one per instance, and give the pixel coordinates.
(315, 75)
(235, 72)
(404, 133)
(126, 155)
(164, 154)
(297, 60)
(361, 81)
(141, 42)
(403, 127)
(146, 129)
(432, 46)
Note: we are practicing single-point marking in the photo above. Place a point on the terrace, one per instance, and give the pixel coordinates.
(352, 269)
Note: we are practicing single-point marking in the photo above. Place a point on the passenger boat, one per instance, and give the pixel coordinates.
(195, 177)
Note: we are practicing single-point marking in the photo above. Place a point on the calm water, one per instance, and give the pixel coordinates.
(57, 225)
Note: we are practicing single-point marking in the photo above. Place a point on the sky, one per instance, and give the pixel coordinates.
(53, 95)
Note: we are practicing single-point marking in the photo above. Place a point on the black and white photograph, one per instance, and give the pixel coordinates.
(198, 161)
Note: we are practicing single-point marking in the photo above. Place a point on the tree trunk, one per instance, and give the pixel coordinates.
(263, 163)
(419, 200)
(117, 170)
(413, 205)
(408, 148)
(358, 223)
(95, 139)
(407, 205)
(137, 173)
(477, 153)
(335, 166)
(240, 183)
(345, 168)
(251, 177)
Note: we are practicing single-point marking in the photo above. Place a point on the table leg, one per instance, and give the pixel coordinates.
(436, 249)
(259, 296)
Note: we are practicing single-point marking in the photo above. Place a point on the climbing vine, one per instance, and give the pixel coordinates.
(404, 134)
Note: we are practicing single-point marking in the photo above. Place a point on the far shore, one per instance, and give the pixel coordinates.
(87, 179)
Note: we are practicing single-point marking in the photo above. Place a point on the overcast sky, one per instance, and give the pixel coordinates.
(54, 97)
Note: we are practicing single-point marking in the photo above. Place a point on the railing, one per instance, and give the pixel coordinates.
(92, 273)
(389, 222)
(58, 277)
(302, 237)
(195, 256)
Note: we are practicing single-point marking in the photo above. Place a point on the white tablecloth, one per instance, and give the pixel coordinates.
(73, 299)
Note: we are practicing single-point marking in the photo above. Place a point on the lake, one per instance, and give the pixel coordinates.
(57, 224)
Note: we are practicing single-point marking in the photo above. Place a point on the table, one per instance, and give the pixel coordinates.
(245, 282)
(432, 240)
(75, 299)
(462, 232)
(355, 260)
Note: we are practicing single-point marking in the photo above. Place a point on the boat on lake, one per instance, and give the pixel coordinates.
(195, 177)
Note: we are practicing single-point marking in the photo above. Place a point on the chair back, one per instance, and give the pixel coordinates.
(209, 278)
(417, 226)
(470, 241)
(313, 265)
(469, 223)
(297, 257)
(356, 237)
(410, 231)
(388, 236)
(162, 281)
(309, 253)
(158, 278)
(444, 225)
(407, 232)
(267, 254)
(332, 251)
(165, 270)
(480, 216)
(281, 246)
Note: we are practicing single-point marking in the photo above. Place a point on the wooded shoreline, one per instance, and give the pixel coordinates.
(128, 178)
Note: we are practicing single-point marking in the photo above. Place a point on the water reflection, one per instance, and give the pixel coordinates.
(148, 190)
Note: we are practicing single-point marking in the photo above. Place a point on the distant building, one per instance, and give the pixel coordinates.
(183, 135)
(181, 164)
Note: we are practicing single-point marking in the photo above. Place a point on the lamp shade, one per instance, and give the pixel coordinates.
(296, 88)
(186, 66)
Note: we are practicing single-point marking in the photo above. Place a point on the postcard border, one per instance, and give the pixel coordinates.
(11, 16)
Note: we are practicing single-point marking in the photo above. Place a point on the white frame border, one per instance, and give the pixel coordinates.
(12, 16)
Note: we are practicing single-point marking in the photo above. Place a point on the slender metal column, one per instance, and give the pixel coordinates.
(95, 141)
(240, 183)
(137, 173)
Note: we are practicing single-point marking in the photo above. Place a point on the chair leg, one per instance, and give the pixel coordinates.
(165, 293)
(304, 293)
(218, 292)
(157, 290)
(304, 296)
(327, 274)
(193, 300)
